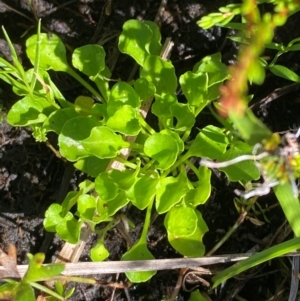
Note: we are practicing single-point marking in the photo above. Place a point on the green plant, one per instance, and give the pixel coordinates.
(90, 134)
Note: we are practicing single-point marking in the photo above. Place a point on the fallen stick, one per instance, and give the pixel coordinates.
(114, 267)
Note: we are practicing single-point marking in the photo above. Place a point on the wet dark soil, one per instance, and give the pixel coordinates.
(31, 175)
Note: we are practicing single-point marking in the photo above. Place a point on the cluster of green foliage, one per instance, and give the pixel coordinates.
(92, 130)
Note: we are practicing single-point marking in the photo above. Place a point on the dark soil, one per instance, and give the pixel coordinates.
(31, 175)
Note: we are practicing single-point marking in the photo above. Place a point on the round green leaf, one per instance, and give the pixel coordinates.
(242, 171)
(181, 221)
(99, 252)
(143, 191)
(135, 40)
(192, 245)
(163, 148)
(52, 52)
(125, 121)
(144, 89)
(170, 191)
(103, 143)
(93, 166)
(86, 206)
(211, 142)
(139, 251)
(106, 187)
(122, 94)
(201, 193)
(185, 119)
(58, 118)
(89, 59)
(194, 87)
(31, 109)
(161, 73)
(73, 133)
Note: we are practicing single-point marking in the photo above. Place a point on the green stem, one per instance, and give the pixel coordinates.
(46, 290)
(145, 125)
(71, 72)
(147, 222)
(125, 162)
(186, 135)
(136, 146)
(193, 168)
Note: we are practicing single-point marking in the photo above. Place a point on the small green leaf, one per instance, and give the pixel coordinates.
(194, 87)
(144, 89)
(124, 179)
(125, 121)
(31, 109)
(52, 52)
(143, 191)
(192, 245)
(73, 133)
(7, 290)
(99, 252)
(69, 230)
(89, 59)
(139, 251)
(93, 166)
(182, 117)
(109, 208)
(24, 292)
(161, 73)
(163, 148)
(122, 94)
(72, 196)
(106, 188)
(86, 206)
(104, 143)
(201, 193)
(155, 46)
(37, 272)
(181, 221)
(211, 142)
(170, 191)
(242, 171)
(285, 72)
(135, 40)
(58, 118)
(161, 106)
(53, 217)
(213, 66)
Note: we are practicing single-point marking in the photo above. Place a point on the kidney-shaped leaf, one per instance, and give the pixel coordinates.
(194, 88)
(211, 142)
(89, 59)
(31, 109)
(161, 73)
(170, 191)
(122, 94)
(139, 252)
(125, 121)
(104, 143)
(135, 40)
(163, 148)
(192, 245)
(181, 221)
(52, 52)
(73, 133)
